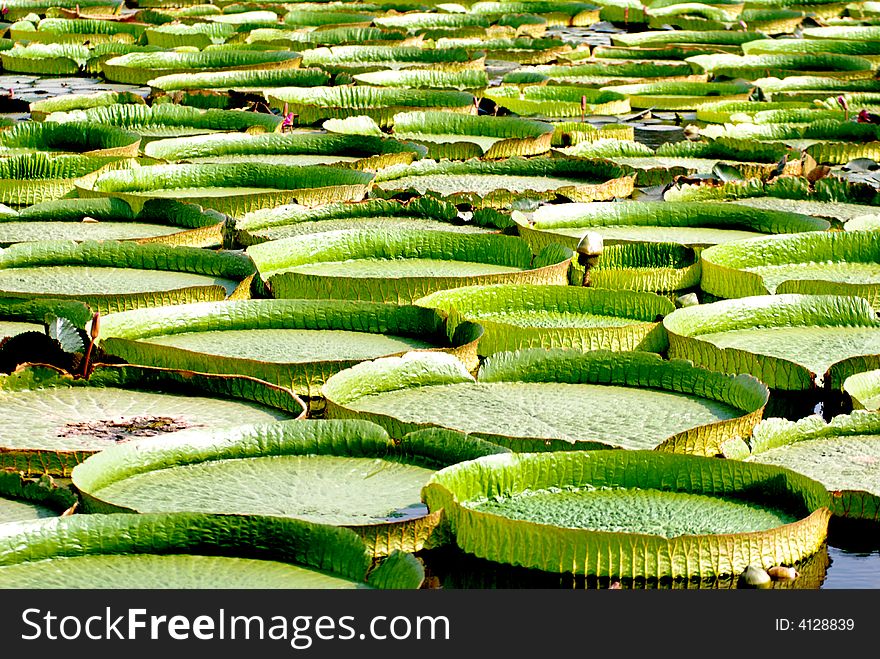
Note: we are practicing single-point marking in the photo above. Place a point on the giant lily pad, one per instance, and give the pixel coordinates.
(32, 178)
(140, 68)
(356, 151)
(192, 551)
(499, 184)
(828, 263)
(864, 390)
(400, 265)
(631, 514)
(71, 419)
(344, 473)
(312, 105)
(466, 80)
(787, 341)
(843, 455)
(361, 59)
(240, 80)
(680, 95)
(522, 316)
(558, 100)
(83, 138)
(170, 120)
(232, 188)
(461, 136)
(423, 213)
(752, 67)
(695, 224)
(293, 343)
(161, 220)
(114, 276)
(43, 108)
(558, 399)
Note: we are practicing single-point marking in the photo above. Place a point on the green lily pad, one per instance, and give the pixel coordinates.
(215, 551)
(293, 343)
(71, 419)
(536, 400)
(522, 316)
(630, 514)
(790, 342)
(843, 455)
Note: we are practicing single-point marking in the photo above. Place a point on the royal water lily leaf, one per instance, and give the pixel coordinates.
(843, 455)
(538, 400)
(166, 221)
(240, 80)
(115, 276)
(400, 265)
(557, 12)
(789, 342)
(71, 419)
(809, 88)
(752, 67)
(23, 499)
(734, 111)
(420, 21)
(20, 8)
(81, 31)
(521, 49)
(170, 120)
(829, 210)
(694, 224)
(845, 32)
(46, 59)
(318, 18)
(864, 390)
(83, 138)
(827, 263)
(355, 151)
(558, 101)
(423, 213)
(659, 267)
(631, 514)
(340, 472)
(607, 149)
(199, 35)
(841, 194)
(680, 95)
(500, 184)
(523, 316)
(614, 72)
(185, 550)
(32, 178)
(296, 344)
(326, 36)
(33, 315)
(566, 133)
(69, 102)
(140, 68)
(233, 188)
(426, 79)
(311, 105)
(659, 52)
(462, 136)
(362, 59)
(664, 37)
(787, 46)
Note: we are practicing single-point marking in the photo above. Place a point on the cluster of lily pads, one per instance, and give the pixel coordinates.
(439, 231)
